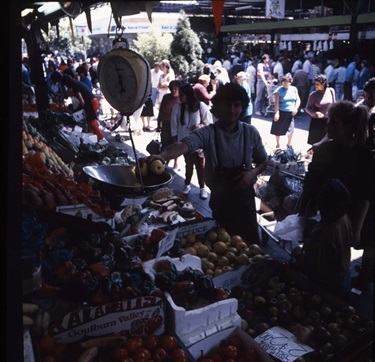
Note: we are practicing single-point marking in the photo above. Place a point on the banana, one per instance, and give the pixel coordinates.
(89, 354)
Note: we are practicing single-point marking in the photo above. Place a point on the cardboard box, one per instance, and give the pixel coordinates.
(203, 347)
(193, 325)
(135, 317)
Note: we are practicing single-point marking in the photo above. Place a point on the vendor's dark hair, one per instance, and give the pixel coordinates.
(333, 200)
(229, 92)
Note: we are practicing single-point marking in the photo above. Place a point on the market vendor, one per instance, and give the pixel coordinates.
(235, 156)
(87, 101)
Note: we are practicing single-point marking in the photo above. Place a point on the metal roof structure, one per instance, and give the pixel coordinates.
(234, 12)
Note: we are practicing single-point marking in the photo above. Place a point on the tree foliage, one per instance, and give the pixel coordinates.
(65, 41)
(186, 51)
(154, 46)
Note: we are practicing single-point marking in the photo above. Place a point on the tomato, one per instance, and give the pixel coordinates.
(60, 351)
(134, 344)
(179, 355)
(168, 342)
(119, 353)
(142, 355)
(205, 359)
(151, 342)
(47, 344)
(230, 352)
(235, 340)
(153, 324)
(160, 355)
(250, 355)
(216, 357)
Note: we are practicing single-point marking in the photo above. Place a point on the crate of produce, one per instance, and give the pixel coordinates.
(195, 307)
(319, 320)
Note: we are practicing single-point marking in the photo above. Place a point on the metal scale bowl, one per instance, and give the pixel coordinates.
(125, 80)
(117, 182)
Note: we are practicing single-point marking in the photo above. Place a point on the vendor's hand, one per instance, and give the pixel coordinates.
(244, 180)
(295, 111)
(276, 116)
(150, 159)
(319, 114)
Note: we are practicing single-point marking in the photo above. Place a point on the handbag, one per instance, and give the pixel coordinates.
(154, 146)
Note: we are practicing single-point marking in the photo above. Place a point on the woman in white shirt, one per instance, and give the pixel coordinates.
(186, 116)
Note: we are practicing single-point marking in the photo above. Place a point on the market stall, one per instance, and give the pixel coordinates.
(117, 267)
(97, 279)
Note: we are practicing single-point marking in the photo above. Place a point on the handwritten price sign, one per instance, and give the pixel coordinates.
(282, 344)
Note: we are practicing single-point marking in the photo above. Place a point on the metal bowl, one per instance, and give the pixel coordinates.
(118, 181)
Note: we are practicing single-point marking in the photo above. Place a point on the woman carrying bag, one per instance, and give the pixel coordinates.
(317, 107)
(186, 116)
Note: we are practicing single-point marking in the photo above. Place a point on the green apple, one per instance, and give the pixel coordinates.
(157, 167)
(143, 169)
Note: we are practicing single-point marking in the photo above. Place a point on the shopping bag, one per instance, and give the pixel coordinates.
(291, 228)
(154, 147)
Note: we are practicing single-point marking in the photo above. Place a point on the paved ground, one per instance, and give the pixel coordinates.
(363, 302)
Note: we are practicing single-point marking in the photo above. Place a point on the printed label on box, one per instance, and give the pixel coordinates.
(231, 279)
(196, 227)
(134, 317)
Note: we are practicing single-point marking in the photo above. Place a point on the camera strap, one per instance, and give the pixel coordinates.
(218, 148)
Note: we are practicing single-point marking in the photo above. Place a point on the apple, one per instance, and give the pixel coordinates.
(251, 332)
(247, 314)
(299, 312)
(254, 249)
(321, 335)
(212, 257)
(333, 328)
(262, 327)
(143, 169)
(157, 167)
(259, 300)
(303, 333)
(273, 311)
(222, 261)
(339, 340)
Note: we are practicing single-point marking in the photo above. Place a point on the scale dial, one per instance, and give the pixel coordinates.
(124, 78)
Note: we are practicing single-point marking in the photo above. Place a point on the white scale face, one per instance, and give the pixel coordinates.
(120, 80)
(124, 79)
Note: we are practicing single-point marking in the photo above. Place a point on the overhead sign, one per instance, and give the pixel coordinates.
(275, 9)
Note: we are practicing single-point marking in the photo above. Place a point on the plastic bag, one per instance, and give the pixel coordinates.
(291, 228)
